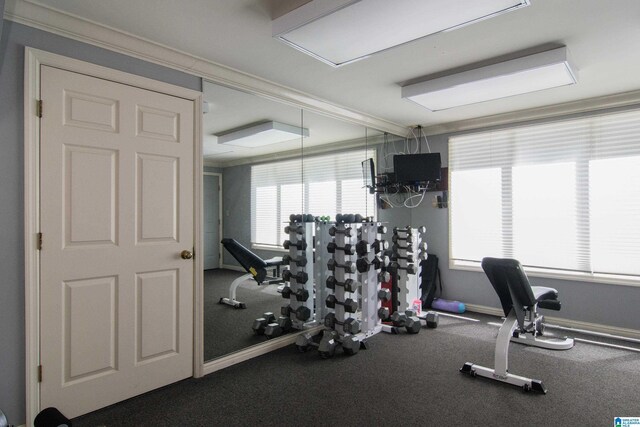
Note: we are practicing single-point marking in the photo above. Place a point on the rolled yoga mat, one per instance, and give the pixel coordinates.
(446, 305)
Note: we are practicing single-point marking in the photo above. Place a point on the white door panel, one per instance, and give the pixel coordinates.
(116, 211)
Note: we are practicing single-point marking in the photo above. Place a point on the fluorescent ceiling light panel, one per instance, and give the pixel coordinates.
(260, 134)
(522, 75)
(342, 31)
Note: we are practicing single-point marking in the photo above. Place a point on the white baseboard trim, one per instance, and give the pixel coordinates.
(255, 351)
(568, 323)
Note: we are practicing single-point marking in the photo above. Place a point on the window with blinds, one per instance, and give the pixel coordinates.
(561, 197)
(333, 183)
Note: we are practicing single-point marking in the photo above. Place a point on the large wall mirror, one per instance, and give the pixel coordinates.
(242, 130)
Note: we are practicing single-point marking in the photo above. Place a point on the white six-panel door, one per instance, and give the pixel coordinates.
(116, 211)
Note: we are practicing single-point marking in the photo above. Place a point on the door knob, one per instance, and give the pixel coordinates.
(186, 254)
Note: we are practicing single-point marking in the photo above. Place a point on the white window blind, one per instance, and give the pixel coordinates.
(333, 183)
(561, 196)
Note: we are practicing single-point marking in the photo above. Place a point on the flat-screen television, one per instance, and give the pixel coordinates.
(412, 168)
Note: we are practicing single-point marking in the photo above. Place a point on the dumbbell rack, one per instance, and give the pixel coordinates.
(290, 309)
(407, 282)
(370, 279)
(322, 273)
(365, 321)
(336, 332)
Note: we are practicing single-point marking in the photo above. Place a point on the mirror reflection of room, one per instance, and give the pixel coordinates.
(265, 161)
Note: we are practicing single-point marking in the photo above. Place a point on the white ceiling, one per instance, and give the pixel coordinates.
(230, 109)
(603, 38)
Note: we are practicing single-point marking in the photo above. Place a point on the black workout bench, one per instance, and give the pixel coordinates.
(255, 267)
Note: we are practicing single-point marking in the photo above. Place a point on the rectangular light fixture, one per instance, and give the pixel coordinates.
(260, 134)
(531, 73)
(339, 32)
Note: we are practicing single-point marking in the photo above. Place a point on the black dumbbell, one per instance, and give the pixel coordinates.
(350, 306)
(274, 330)
(407, 320)
(300, 261)
(398, 319)
(384, 276)
(298, 229)
(328, 343)
(410, 258)
(261, 323)
(383, 313)
(364, 264)
(350, 325)
(348, 249)
(380, 245)
(408, 238)
(397, 248)
(335, 230)
(304, 342)
(350, 344)
(301, 245)
(302, 313)
(301, 218)
(382, 229)
(300, 294)
(349, 218)
(422, 229)
(396, 257)
(300, 276)
(348, 266)
(349, 285)
(384, 294)
(380, 262)
(432, 319)
(410, 269)
(422, 246)
(362, 247)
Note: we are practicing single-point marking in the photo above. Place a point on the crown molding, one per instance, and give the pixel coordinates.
(46, 18)
(618, 100)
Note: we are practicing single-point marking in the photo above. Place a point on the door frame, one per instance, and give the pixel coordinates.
(34, 59)
(220, 228)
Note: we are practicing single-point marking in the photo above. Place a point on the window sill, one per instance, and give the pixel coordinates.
(609, 279)
(270, 248)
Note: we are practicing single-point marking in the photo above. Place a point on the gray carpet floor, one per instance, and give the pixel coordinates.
(400, 380)
(227, 329)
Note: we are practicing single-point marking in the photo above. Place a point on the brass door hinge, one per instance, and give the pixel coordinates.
(39, 108)
(39, 242)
